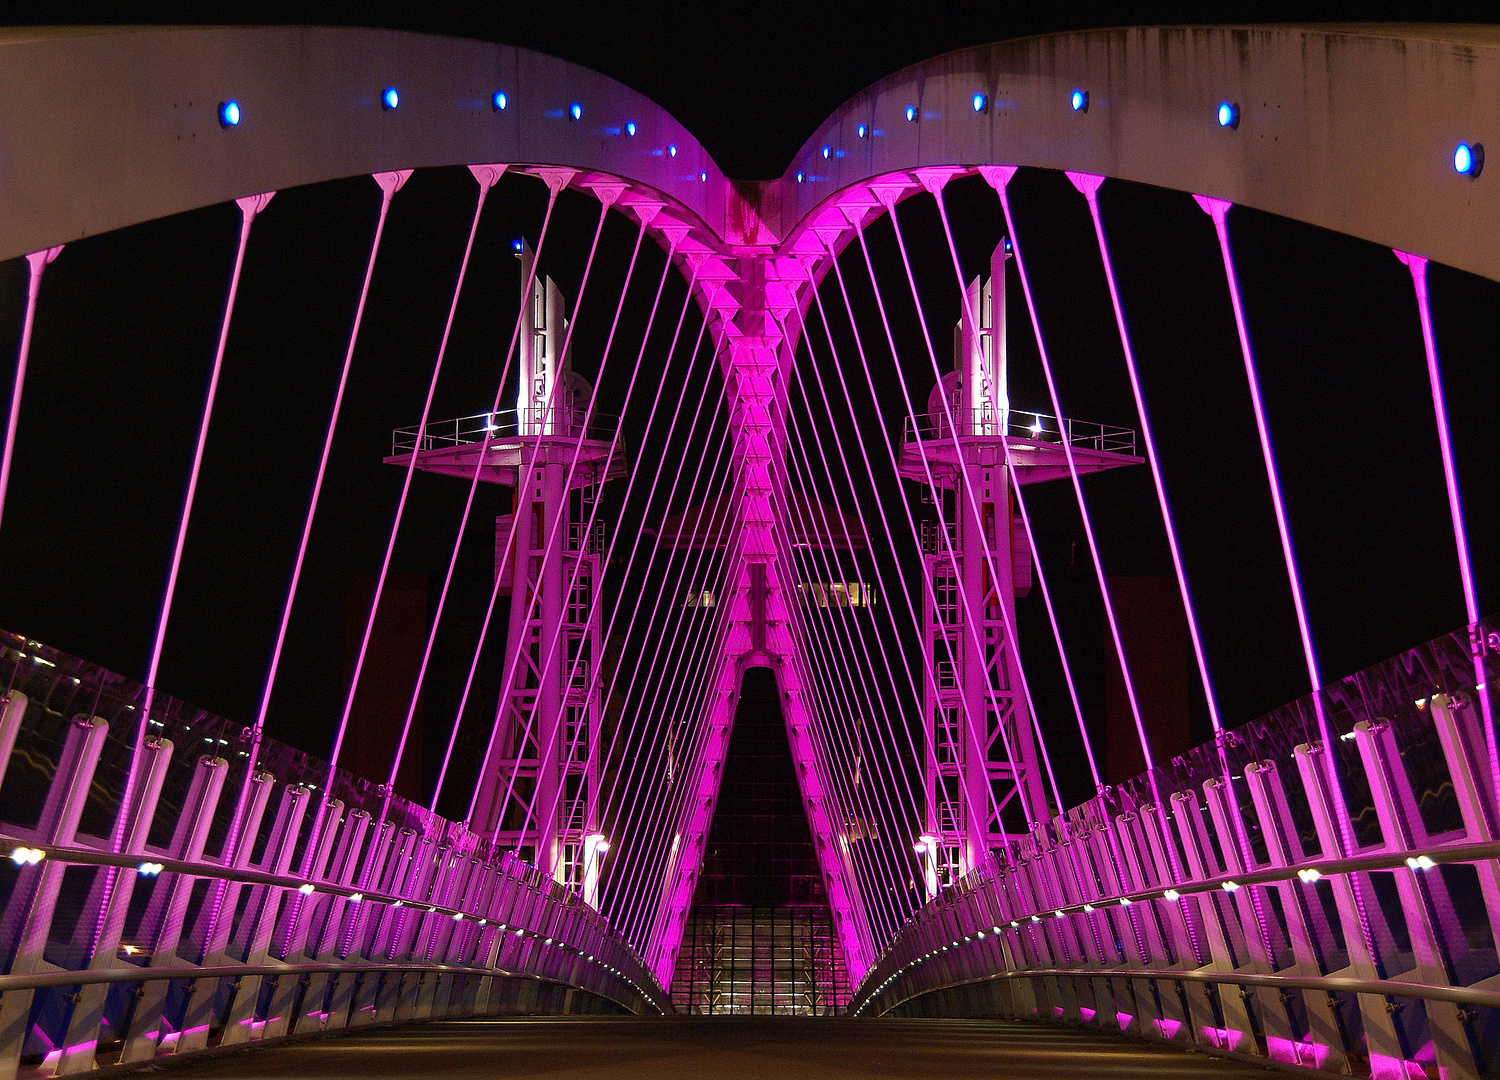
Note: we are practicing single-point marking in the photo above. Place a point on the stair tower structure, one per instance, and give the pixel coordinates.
(538, 783)
(982, 775)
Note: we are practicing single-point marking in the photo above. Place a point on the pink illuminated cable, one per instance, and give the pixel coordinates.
(651, 822)
(463, 521)
(891, 454)
(551, 647)
(623, 840)
(879, 576)
(1067, 445)
(995, 807)
(836, 674)
(389, 183)
(916, 802)
(600, 800)
(632, 622)
(990, 557)
(695, 655)
(658, 743)
(840, 704)
(1218, 209)
(1089, 185)
(36, 262)
(971, 621)
(1015, 481)
(506, 687)
(650, 425)
(249, 206)
(390, 547)
(669, 813)
(867, 669)
(504, 702)
(704, 656)
(1418, 267)
(508, 548)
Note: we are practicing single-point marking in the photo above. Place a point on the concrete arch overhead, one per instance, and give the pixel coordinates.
(1351, 128)
(104, 127)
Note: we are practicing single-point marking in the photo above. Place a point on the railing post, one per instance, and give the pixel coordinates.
(324, 926)
(161, 929)
(354, 936)
(12, 712)
(216, 922)
(252, 940)
(1307, 928)
(1451, 1039)
(1163, 1008)
(295, 925)
(375, 940)
(28, 915)
(1256, 925)
(1183, 930)
(1382, 1042)
(104, 914)
(1215, 928)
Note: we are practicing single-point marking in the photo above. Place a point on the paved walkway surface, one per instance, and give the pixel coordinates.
(733, 1048)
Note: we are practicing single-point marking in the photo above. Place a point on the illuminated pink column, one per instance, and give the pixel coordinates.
(755, 357)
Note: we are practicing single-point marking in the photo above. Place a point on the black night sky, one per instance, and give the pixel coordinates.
(126, 328)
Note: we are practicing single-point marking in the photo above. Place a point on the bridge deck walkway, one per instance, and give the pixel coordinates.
(738, 1048)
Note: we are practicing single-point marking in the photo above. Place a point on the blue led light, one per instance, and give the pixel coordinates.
(1229, 114)
(229, 114)
(862, 131)
(630, 128)
(517, 244)
(1079, 101)
(826, 152)
(703, 178)
(911, 114)
(575, 110)
(1468, 159)
(980, 102)
(800, 178)
(671, 150)
(499, 101)
(389, 98)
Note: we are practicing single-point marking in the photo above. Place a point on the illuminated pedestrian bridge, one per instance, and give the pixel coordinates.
(939, 583)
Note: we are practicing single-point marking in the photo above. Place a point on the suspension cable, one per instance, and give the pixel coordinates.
(36, 262)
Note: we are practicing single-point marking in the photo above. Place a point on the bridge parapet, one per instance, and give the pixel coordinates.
(1254, 924)
(215, 909)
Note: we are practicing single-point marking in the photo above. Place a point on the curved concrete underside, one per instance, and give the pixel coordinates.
(748, 1048)
(1349, 128)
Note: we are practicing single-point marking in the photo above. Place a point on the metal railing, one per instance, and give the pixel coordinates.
(1019, 424)
(1221, 921)
(559, 421)
(160, 898)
